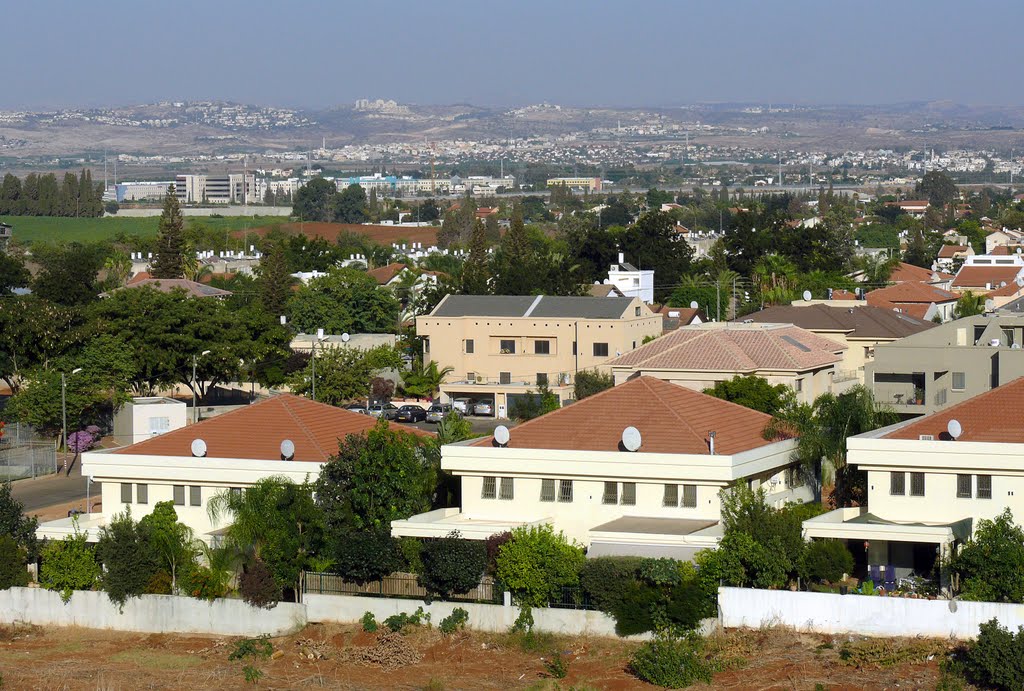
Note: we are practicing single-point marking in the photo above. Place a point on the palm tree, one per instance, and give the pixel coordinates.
(252, 510)
(969, 305)
(424, 380)
(876, 269)
(773, 278)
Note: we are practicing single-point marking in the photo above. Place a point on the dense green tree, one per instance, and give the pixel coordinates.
(169, 258)
(314, 201)
(652, 243)
(344, 301)
(754, 392)
(590, 382)
(128, 564)
(13, 558)
(452, 565)
(13, 274)
(69, 565)
(424, 380)
(14, 523)
(989, 567)
(274, 281)
(32, 333)
(476, 270)
(938, 188)
(171, 544)
(711, 296)
(350, 205)
(458, 223)
(374, 479)
(968, 305)
(537, 563)
(343, 374)
(69, 274)
(365, 555)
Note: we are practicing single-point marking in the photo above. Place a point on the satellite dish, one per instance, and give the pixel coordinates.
(501, 435)
(631, 438)
(693, 304)
(287, 450)
(345, 337)
(807, 295)
(954, 428)
(198, 448)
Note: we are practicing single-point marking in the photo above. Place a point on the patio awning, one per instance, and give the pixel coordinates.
(857, 523)
(441, 522)
(675, 538)
(89, 524)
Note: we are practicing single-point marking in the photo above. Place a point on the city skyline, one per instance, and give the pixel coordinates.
(572, 53)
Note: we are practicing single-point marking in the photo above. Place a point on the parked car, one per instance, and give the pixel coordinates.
(483, 407)
(388, 411)
(438, 412)
(411, 413)
(463, 405)
(358, 408)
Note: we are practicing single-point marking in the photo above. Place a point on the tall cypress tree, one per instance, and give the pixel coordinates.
(275, 281)
(515, 276)
(169, 258)
(475, 272)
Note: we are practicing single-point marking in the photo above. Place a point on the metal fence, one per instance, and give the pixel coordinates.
(24, 459)
(571, 598)
(400, 585)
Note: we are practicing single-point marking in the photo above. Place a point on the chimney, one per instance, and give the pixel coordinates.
(711, 442)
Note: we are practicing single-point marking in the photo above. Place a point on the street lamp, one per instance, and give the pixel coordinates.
(64, 412)
(320, 338)
(195, 409)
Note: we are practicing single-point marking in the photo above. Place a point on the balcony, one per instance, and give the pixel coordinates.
(900, 390)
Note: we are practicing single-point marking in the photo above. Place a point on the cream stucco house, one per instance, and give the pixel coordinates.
(230, 452)
(930, 480)
(698, 356)
(573, 469)
(501, 348)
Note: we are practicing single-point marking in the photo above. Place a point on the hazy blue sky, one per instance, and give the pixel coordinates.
(632, 52)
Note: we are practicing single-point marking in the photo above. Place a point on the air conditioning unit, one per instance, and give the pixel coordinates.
(926, 437)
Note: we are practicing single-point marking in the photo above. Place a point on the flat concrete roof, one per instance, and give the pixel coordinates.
(658, 526)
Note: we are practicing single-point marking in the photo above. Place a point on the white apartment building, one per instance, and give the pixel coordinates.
(631, 281)
(232, 188)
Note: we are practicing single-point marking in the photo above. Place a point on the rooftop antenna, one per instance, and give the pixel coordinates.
(631, 440)
(955, 429)
(287, 450)
(198, 448)
(501, 435)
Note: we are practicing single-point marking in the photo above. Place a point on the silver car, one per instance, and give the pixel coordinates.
(388, 411)
(438, 412)
(483, 408)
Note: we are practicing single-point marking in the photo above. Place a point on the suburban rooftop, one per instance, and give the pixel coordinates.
(541, 306)
(994, 416)
(858, 322)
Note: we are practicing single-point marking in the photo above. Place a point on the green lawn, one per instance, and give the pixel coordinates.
(29, 229)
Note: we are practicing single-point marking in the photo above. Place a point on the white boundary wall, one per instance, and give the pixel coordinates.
(148, 613)
(863, 615)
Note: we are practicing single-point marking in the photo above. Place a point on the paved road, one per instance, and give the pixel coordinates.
(53, 489)
(480, 425)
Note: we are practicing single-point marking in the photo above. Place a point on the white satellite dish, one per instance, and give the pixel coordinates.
(807, 295)
(631, 438)
(693, 304)
(501, 435)
(198, 448)
(345, 337)
(954, 428)
(287, 450)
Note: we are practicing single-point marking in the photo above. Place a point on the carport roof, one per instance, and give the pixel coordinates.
(540, 306)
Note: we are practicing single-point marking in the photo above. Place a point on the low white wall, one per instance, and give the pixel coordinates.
(149, 613)
(863, 615)
(226, 210)
(347, 609)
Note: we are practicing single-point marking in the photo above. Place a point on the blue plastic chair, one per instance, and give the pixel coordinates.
(874, 572)
(890, 577)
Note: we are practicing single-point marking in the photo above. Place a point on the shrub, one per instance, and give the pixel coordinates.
(606, 580)
(493, 545)
(159, 583)
(990, 565)
(366, 556)
(399, 621)
(537, 562)
(556, 666)
(127, 561)
(452, 565)
(456, 621)
(69, 565)
(826, 560)
(671, 661)
(12, 564)
(258, 587)
(411, 549)
(369, 622)
(996, 658)
(200, 582)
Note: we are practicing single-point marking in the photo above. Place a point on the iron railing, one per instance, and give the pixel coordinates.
(399, 585)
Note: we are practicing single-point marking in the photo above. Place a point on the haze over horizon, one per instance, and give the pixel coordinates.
(573, 53)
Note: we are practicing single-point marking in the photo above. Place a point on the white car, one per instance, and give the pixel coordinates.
(463, 405)
(483, 408)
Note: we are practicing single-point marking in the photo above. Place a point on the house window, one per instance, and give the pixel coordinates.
(963, 486)
(1008, 337)
(565, 490)
(637, 312)
(984, 487)
(959, 381)
(798, 385)
(237, 491)
(490, 488)
(542, 347)
(126, 493)
(179, 495)
(542, 379)
(574, 347)
(629, 493)
(508, 347)
(469, 346)
(917, 484)
(507, 490)
(195, 495)
(611, 493)
(547, 490)
(671, 495)
(504, 377)
(142, 494)
(689, 496)
(897, 483)
(600, 350)
(426, 345)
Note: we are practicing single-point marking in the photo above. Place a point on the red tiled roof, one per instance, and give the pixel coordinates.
(950, 251)
(738, 348)
(670, 418)
(977, 416)
(842, 294)
(384, 274)
(1009, 290)
(256, 431)
(908, 272)
(1005, 250)
(166, 285)
(909, 291)
(141, 276)
(980, 276)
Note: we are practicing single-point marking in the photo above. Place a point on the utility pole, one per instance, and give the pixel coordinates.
(195, 408)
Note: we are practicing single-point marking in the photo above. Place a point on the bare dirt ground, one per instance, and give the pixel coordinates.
(324, 656)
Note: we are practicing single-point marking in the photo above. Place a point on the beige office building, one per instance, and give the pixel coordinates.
(502, 348)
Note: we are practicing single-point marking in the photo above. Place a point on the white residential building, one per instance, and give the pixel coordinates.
(631, 281)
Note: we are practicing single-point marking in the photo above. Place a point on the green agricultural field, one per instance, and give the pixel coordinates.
(29, 229)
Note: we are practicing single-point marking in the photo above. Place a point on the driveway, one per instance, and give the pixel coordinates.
(480, 425)
(48, 490)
